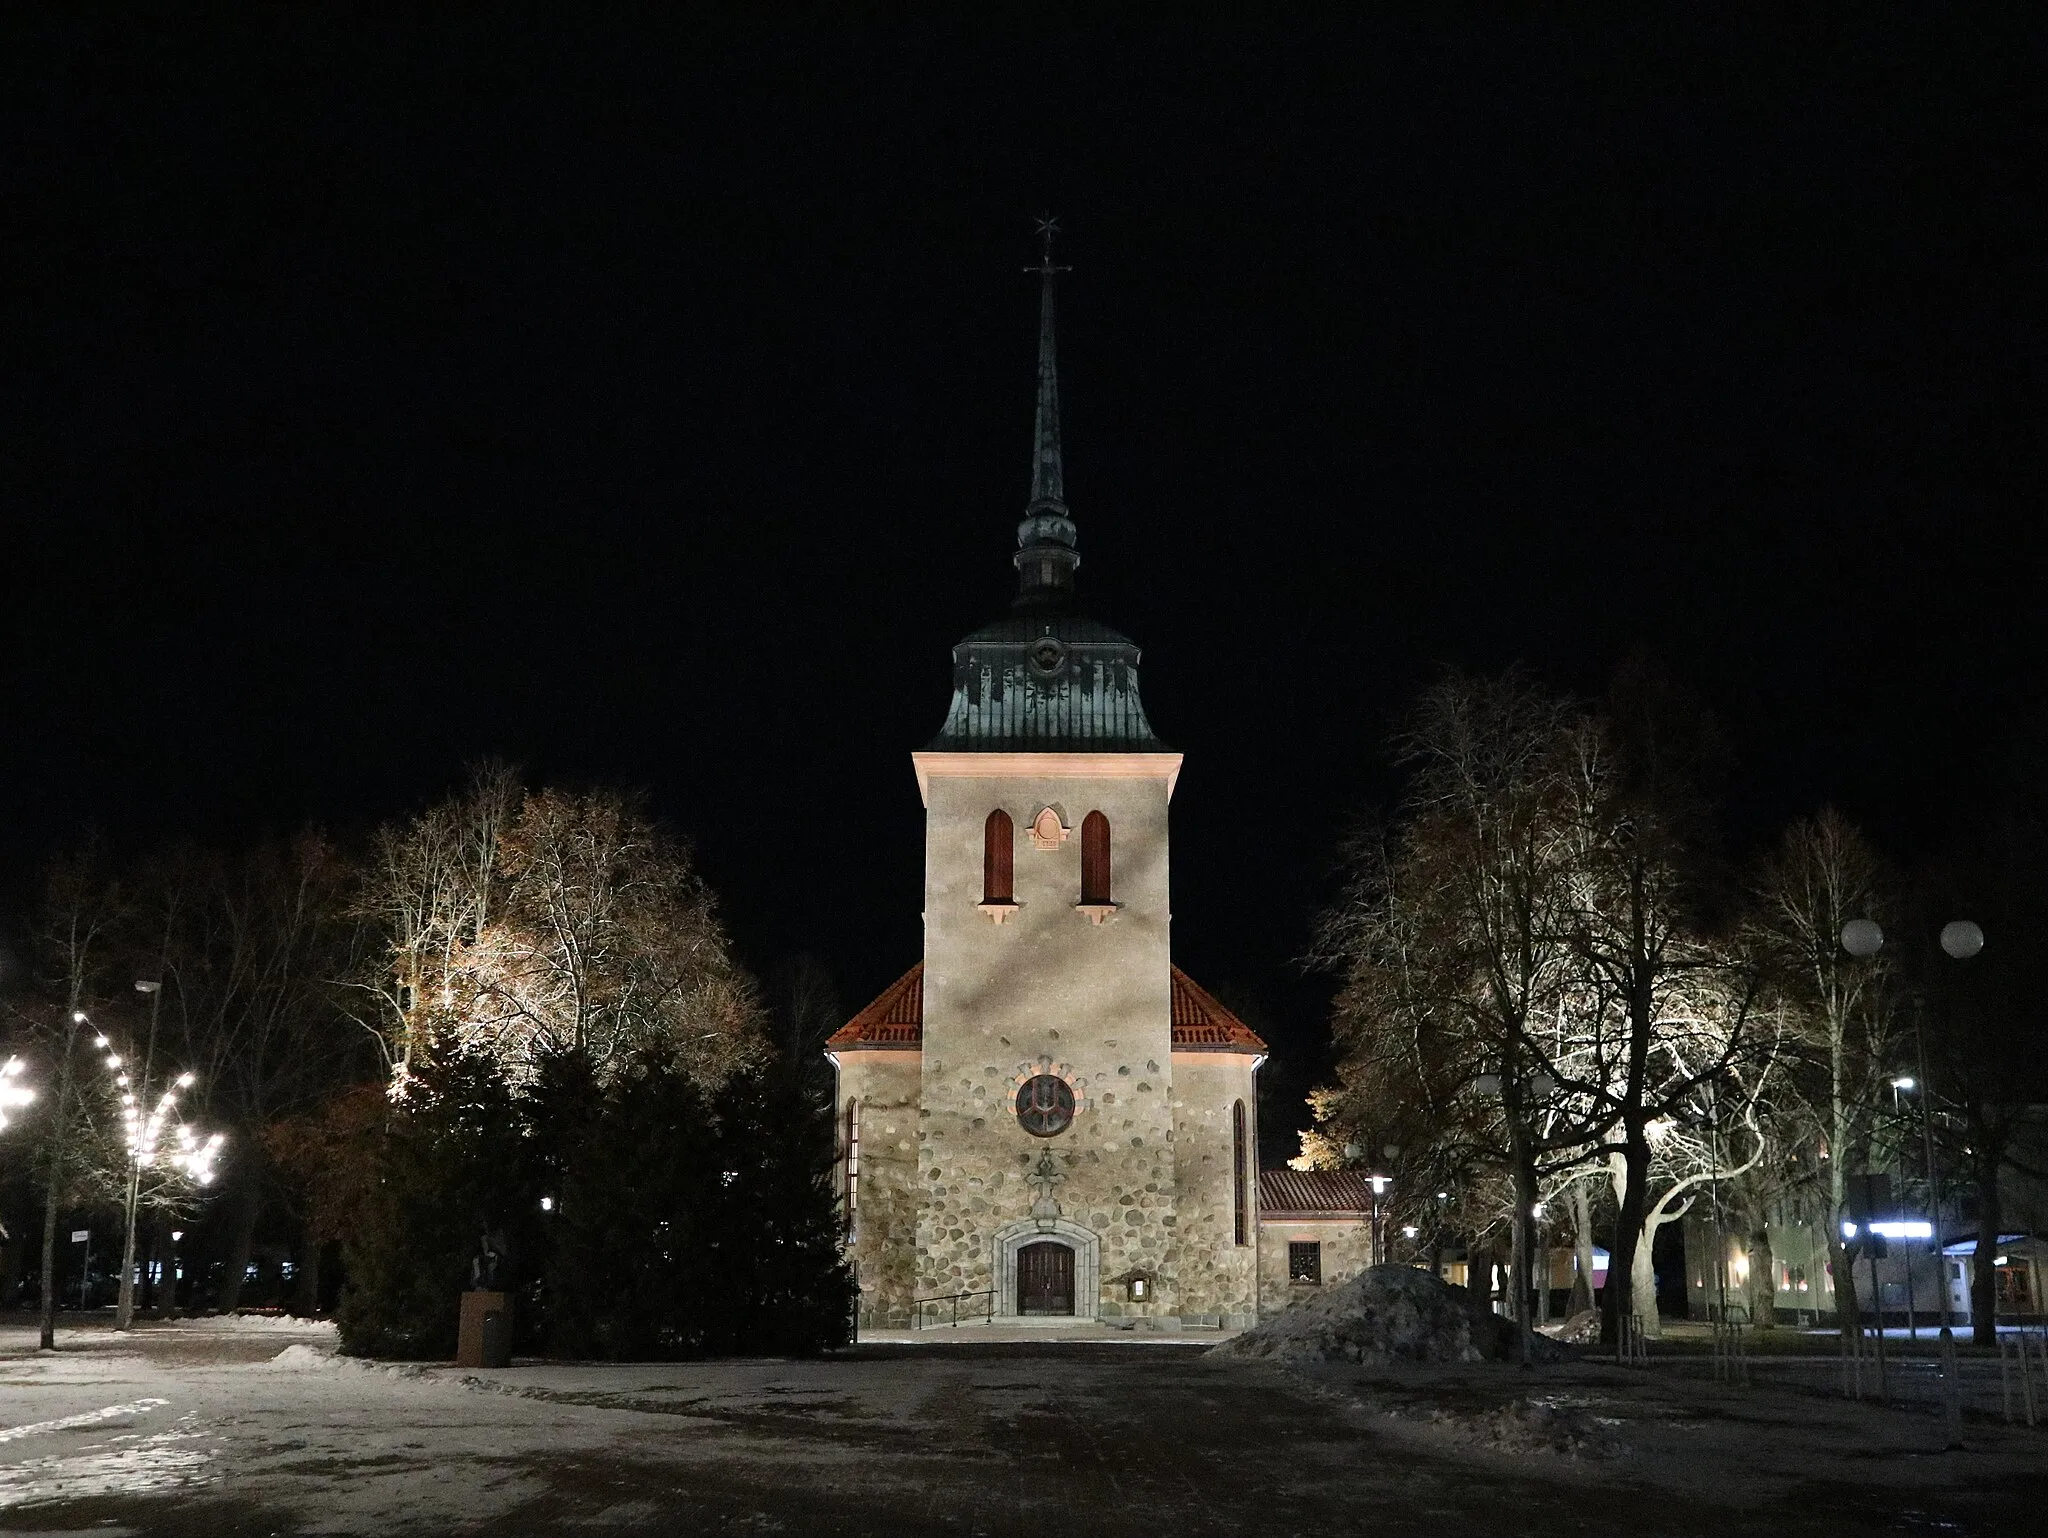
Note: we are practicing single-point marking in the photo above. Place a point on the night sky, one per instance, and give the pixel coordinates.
(651, 404)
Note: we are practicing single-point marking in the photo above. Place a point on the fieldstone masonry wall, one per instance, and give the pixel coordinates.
(1347, 1250)
(884, 1251)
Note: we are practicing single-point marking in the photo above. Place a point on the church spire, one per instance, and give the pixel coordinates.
(1046, 556)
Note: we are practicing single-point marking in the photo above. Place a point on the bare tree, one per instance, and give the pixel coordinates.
(1841, 1011)
(80, 929)
(1453, 938)
(522, 924)
(254, 944)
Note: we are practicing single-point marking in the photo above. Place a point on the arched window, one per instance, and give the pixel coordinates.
(1095, 858)
(1237, 1173)
(851, 1205)
(998, 850)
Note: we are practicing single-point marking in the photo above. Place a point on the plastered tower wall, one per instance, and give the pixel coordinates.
(1218, 1276)
(883, 1086)
(1047, 990)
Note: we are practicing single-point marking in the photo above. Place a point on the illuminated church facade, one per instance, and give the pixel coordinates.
(1045, 1118)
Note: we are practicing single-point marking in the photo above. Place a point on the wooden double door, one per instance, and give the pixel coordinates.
(1045, 1278)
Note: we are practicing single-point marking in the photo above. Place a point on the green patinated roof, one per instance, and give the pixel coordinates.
(1046, 683)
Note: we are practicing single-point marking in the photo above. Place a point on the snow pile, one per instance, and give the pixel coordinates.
(1582, 1329)
(301, 1358)
(1536, 1425)
(1387, 1314)
(255, 1324)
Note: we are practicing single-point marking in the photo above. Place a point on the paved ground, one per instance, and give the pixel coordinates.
(199, 1431)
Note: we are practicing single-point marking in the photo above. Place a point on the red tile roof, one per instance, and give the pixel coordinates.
(1201, 1024)
(1313, 1193)
(896, 1019)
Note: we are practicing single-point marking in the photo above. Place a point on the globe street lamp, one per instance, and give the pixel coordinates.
(1960, 939)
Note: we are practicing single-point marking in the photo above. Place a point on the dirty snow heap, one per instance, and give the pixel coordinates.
(1388, 1314)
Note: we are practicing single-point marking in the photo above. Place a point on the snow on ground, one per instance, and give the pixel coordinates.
(219, 1432)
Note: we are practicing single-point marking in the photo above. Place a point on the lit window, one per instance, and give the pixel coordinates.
(1305, 1261)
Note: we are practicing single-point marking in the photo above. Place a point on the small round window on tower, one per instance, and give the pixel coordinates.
(1045, 1105)
(1047, 656)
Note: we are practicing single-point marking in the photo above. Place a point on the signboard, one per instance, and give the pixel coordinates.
(81, 1236)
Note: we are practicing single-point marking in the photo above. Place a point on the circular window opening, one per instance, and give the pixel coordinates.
(1045, 1105)
(1047, 656)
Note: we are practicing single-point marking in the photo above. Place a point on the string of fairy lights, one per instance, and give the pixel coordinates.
(142, 1129)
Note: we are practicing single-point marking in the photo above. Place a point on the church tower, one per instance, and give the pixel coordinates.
(1046, 1110)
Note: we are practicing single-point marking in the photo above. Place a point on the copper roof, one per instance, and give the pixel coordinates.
(1313, 1193)
(1046, 683)
(896, 1019)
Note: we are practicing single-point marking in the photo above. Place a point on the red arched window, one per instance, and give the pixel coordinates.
(1095, 858)
(998, 849)
(1237, 1172)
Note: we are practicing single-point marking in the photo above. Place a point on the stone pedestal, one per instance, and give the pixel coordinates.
(484, 1338)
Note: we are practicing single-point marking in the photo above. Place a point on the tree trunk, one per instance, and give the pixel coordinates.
(242, 1240)
(55, 1188)
(306, 1293)
(1582, 1245)
(156, 1266)
(1843, 1275)
(1479, 1283)
(1984, 1274)
(1642, 1276)
(1763, 1278)
(1521, 1264)
(1618, 1298)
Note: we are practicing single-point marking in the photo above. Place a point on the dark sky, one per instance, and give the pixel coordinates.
(651, 403)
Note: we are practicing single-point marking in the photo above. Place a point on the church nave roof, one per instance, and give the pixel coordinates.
(895, 1020)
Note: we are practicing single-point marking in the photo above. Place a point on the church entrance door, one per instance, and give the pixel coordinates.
(1045, 1278)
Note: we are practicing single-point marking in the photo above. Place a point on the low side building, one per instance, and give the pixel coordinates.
(1315, 1230)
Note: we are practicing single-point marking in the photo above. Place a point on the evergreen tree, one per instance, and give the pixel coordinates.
(454, 1161)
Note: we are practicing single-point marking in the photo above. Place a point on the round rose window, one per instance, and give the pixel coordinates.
(1045, 1105)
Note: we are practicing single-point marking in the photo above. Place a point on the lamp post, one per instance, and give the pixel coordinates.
(1379, 1184)
(1960, 940)
(124, 1309)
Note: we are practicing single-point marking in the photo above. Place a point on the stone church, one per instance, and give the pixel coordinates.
(1046, 1109)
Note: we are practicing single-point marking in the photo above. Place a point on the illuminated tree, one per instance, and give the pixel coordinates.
(516, 925)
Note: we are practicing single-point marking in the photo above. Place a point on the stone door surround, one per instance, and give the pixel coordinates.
(1087, 1263)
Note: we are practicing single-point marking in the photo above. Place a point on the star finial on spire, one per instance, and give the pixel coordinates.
(1048, 226)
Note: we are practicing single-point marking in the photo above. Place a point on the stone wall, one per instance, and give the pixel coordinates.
(884, 1250)
(1047, 990)
(1218, 1277)
(1347, 1250)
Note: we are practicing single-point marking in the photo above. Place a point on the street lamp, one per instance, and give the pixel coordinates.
(1960, 939)
(144, 1129)
(124, 1309)
(1379, 1184)
(13, 1093)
